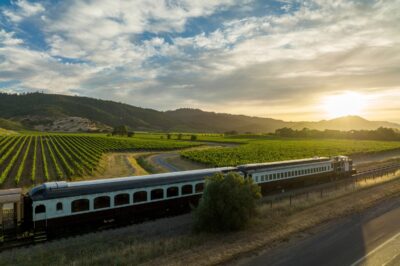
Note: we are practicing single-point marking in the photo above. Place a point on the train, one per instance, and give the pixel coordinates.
(58, 206)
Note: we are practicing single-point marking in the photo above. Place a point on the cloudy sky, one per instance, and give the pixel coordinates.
(292, 60)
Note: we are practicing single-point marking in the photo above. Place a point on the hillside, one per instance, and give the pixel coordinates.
(51, 112)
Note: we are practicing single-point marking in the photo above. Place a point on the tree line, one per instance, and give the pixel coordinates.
(378, 134)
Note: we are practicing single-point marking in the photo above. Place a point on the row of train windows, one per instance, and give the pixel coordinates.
(292, 173)
(122, 199)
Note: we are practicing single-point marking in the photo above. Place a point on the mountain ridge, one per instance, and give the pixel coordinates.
(38, 109)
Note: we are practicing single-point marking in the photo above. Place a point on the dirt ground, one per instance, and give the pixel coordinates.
(118, 164)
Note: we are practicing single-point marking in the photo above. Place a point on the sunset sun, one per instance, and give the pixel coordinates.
(349, 103)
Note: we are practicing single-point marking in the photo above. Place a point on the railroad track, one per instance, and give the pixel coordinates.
(10, 240)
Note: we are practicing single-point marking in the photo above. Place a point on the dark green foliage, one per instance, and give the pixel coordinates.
(378, 134)
(193, 137)
(120, 130)
(227, 204)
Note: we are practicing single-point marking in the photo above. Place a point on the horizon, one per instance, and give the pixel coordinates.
(287, 60)
(211, 111)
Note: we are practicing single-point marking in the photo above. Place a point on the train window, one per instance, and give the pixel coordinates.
(199, 187)
(172, 192)
(59, 206)
(121, 199)
(40, 209)
(140, 196)
(157, 194)
(80, 205)
(101, 202)
(188, 189)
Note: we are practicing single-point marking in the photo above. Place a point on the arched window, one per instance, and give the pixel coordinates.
(102, 202)
(157, 194)
(199, 187)
(80, 205)
(188, 189)
(172, 192)
(59, 206)
(140, 196)
(40, 209)
(121, 199)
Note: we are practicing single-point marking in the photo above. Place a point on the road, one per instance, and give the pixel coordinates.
(369, 238)
(161, 160)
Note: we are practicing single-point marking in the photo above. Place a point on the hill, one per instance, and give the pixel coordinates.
(345, 123)
(52, 112)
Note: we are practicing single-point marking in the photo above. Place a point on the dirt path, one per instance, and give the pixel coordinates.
(118, 165)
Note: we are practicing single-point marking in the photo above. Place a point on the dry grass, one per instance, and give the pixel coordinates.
(171, 242)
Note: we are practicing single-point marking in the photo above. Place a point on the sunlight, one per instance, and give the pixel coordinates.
(349, 103)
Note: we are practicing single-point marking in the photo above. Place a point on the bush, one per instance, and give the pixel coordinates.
(193, 137)
(227, 204)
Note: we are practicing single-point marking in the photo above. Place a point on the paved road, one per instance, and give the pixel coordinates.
(371, 238)
(160, 159)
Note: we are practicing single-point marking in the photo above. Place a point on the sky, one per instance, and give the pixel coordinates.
(292, 60)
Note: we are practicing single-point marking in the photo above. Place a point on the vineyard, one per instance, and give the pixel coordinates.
(276, 150)
(29, 159)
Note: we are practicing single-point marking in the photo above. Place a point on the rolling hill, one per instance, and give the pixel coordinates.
(52, 112)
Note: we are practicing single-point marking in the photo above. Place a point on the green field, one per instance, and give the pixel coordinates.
(268, 150)
(29, 159)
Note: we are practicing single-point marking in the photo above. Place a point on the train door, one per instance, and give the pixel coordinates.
(10, 212)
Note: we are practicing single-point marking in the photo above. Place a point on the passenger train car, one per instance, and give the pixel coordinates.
(55, 206)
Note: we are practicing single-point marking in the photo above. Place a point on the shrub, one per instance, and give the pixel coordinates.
(227, 204)
(193, 137)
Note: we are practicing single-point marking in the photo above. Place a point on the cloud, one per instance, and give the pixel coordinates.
(23, 9)
(233, 56)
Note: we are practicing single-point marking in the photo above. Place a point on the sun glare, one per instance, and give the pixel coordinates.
(349, 103)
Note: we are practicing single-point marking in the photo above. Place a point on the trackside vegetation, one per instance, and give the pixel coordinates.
(227, 204)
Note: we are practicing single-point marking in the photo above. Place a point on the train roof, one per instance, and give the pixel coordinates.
(255, 166)
(62, 189)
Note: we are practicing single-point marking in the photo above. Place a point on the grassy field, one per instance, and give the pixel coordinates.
(28, 159)
(268, 150)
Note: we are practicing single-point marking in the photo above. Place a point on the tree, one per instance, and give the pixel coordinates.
(120, 130)
(180, 136)
(227, 204)
(168, 136)
(193, 137)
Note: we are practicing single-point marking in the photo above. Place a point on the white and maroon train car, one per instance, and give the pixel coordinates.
(56, 206)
